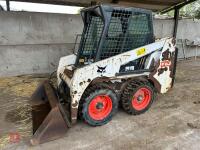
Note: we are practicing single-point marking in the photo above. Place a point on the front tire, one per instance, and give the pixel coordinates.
(99, 107)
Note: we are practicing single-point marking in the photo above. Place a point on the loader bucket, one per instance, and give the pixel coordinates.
(50, 119)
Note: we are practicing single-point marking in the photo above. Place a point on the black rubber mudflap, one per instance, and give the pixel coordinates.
(50, 119)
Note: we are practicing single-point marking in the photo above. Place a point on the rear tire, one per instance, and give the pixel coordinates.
(99, 107)
(137, 97)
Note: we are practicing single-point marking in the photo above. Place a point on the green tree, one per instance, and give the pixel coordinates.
(191, 10)
(197, 14)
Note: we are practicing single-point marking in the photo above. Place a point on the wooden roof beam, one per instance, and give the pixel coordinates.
(150, 2)
(57, 2)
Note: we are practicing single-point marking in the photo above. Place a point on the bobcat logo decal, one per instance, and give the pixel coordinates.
(101, 69)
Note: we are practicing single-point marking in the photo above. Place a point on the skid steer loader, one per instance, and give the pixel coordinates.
(118, 62)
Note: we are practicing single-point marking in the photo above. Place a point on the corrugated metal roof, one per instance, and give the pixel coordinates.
(155, 5)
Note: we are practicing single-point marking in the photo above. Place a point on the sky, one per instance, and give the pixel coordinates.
(23, 6)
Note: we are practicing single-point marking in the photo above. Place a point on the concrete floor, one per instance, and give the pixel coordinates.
(173, 122)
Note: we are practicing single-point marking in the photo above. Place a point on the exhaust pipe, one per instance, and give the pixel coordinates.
(49, 118)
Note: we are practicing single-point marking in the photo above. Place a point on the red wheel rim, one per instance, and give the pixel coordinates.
(100, 107)
(141, 98)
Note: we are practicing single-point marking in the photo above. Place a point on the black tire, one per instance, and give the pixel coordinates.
(86, 115)
(88, 91)
(130, 91)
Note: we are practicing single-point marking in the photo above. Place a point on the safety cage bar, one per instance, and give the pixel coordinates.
(109, 31)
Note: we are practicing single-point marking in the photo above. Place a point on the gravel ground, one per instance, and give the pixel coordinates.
(173, 122)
